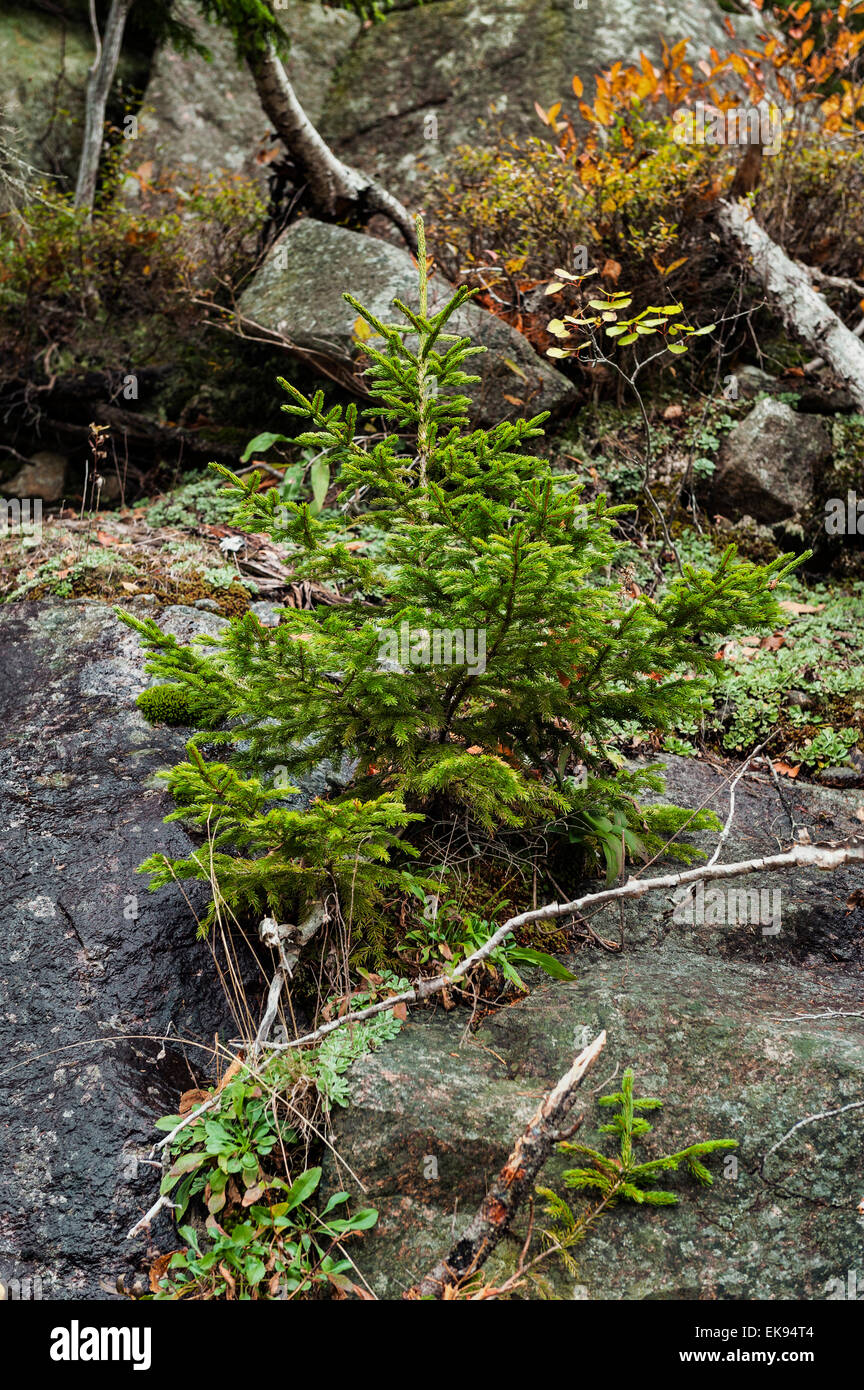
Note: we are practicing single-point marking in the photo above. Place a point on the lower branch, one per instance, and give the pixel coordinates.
(818, 856)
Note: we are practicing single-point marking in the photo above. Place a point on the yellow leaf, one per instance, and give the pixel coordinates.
(578, 86)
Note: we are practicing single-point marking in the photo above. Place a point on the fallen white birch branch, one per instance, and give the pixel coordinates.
(788, 286)
(818, 856)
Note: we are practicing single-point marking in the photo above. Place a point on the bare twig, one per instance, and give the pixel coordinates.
(512, 1185)
(724, 833)
(810, 1120)
(158, 1205)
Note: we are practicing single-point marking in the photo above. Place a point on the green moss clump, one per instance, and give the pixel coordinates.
(167, 704)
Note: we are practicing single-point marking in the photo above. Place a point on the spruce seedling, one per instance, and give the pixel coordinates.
(485, 646)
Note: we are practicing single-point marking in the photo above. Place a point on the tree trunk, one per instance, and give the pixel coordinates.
(788, 286)
(337, 192)
(99, 82)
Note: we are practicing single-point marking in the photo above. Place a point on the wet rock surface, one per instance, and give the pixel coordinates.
(742, 1031)
(94, 970)
(741, 1034)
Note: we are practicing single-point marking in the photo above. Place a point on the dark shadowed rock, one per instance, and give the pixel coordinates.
(44, 476)
(298, 292)
(93, 968)
(768, 463)
(741, 1034)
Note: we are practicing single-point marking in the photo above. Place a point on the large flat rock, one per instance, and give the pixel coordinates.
(298, 293)
(741, 1034)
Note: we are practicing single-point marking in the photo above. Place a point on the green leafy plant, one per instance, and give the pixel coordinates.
(294, 478)
(279, 1251)
(621, 1178)
(449, 934)
(329, 1062)
(608, 318)
(231, 1141)
(229, 1159)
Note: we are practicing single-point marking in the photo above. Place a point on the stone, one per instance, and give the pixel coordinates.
(769, 463)
(851, 777)
(812, 397)
(415, 86)
(205, 118)
(267, 613)
(298, 293)
(44, 476)
(740, 1034)
(94, 969)
(44, 61)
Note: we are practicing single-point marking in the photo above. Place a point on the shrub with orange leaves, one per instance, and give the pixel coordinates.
(612, 189)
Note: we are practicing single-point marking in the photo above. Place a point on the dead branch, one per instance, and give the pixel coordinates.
(512, 1185)
(276, 935)
(818, 856)
(788, 286)
(338, 192)
(809, 1120)
(143, 1224)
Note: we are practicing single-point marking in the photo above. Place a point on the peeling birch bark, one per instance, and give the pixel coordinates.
(788, 286)
(337, 190)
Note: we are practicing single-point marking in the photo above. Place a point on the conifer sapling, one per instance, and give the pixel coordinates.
(484, 648)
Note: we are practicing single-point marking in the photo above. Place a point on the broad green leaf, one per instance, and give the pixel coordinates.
(261, 443)
(546, 962)
(319, 477)
(302, 1189)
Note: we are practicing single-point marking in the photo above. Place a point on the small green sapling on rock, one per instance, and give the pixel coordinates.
(484, 652)
(621, 1178)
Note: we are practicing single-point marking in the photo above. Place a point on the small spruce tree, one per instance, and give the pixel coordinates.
(484, 649)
